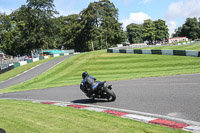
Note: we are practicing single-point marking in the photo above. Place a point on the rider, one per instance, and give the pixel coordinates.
(90, 85)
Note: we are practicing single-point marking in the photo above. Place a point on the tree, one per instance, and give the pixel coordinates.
(39, 28)
(101, 23)
(149, 30)
(191, 28)
(33, 26)
(178, 32)
(161, 30)
(10, 35)
(112, 29)
(91, 18)
(73, 35)
(134, 32)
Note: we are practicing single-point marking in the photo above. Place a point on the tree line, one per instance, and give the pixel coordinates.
(190, 29)
(148, 31)
(35, 26)
(157, 30)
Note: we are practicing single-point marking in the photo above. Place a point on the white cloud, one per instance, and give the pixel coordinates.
(180, 11)
(171, 26)
(183, 9)
(137, 18)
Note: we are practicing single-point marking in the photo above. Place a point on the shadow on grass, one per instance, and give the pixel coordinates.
(90, 101)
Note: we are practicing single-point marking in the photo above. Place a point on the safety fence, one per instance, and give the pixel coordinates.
(18, 63)
(21, 63)
(155, 51)
(7, 69)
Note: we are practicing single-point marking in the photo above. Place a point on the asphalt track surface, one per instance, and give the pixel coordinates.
(174, 96)
(33, 73)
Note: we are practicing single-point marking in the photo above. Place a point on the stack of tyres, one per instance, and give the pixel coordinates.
(179, 52)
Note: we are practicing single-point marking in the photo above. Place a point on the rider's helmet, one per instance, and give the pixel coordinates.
(84, 74)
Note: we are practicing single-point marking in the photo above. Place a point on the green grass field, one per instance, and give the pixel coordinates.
(177, 47)
(27, 117)
(110, 66)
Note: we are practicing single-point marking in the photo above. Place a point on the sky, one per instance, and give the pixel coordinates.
(174, 12)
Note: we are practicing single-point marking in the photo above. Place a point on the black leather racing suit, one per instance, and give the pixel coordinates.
(91, 85)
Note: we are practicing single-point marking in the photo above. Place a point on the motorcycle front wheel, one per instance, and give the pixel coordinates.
(110, 94)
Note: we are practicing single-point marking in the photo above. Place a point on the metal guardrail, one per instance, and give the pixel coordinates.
(6, 62)
(145, 45)
(128, 49)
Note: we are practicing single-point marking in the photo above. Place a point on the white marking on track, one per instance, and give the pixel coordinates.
(139, 117)
(95, 109)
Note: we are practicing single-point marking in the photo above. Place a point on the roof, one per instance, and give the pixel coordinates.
(177, 38)
(54, 51)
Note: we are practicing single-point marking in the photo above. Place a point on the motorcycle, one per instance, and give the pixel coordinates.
(104, 91)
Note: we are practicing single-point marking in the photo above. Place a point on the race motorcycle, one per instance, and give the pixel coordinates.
(104, 91)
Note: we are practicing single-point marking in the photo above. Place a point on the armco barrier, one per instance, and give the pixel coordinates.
(110, 50)
(179, 52)
(146, 51)
(192, 53)
(6, 69)
(41, 57)
(155, 51)
(115, 50)
(137, 51)
(17, 64)
(122, 50)
(62, 54)
(22, 63)
(129, 51)
(29, 60)
(167, 52)
(45, 57)
(35, 59)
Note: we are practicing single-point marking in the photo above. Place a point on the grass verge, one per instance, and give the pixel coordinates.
(110, 66)
(18, 70)
(27, 117)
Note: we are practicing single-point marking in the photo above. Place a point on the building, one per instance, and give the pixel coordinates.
(177, 39)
